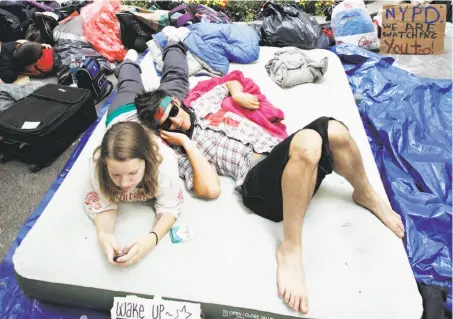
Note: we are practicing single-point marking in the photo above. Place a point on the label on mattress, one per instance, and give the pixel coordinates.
(180, 234)
(133, 307)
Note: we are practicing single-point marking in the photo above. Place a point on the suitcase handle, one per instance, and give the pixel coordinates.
(12, 142)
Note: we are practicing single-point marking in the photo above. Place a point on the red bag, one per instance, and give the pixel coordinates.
(102, 29)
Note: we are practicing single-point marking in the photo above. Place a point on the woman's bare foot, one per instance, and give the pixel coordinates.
(373, 202)
(290, 278)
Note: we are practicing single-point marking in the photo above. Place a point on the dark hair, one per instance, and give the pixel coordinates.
(147, 104)
(27, 53)
(125, 141)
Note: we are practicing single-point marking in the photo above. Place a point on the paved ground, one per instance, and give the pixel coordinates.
(21, 191)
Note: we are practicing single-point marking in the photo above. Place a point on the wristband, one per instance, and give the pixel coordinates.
(157, 237)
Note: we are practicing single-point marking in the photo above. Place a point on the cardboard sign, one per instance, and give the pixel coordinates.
(133, 307)
(410, 29)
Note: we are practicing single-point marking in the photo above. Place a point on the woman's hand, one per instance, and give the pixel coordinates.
(46, 46)
(174, 138)
(246, 100)
(109, 244)
(136, 250)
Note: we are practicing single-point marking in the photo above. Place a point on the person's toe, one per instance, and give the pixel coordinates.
(287, 296)
(304, 305)
(397, 230)
(297, 303)
(292, 300)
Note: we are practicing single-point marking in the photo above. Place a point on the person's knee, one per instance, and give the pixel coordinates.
(338, 134)
(306, 146)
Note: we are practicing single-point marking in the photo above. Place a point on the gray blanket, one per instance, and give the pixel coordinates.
(290, 66)
(10, 93)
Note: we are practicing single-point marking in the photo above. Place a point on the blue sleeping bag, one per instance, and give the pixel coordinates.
(220, 44)
(408, 120)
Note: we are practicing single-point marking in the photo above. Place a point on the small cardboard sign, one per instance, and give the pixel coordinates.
(412, 29)
(133, 307)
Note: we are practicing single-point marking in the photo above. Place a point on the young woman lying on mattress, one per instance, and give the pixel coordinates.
(131, 164)
(277, 177)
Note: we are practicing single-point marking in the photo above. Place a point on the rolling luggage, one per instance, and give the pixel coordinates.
(38, 128)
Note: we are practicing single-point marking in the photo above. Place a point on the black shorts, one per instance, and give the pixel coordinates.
(262, 188)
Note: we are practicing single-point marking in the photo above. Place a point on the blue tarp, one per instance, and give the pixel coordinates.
(408, 120)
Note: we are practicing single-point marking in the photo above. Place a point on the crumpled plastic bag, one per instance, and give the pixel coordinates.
(102, 29)
(351, 23)
(288, 25)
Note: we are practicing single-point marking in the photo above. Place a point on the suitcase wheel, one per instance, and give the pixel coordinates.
(34, 168)
(3, 158)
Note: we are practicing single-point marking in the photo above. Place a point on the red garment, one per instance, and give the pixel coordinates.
(267, 116)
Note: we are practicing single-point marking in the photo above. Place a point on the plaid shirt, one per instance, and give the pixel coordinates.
(225, 139)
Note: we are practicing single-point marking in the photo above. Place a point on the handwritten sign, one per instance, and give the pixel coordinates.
(410, 29)
(133, 307)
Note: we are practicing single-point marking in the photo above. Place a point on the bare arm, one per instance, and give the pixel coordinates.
(206, 181)
(245, 100)
(105, 222)
(105, 225)
(164, 221)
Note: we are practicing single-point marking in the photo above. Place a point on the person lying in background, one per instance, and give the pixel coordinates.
(276, 177)
(24, 57)
(131, 164)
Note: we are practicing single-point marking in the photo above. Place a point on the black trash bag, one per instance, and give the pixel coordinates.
(41, 30)
(15, 18)
(70, 43)
(68, 8)
(288, 25)
(434, 298)
(134, 33)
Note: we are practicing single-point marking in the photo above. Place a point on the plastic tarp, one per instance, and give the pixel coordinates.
(408, 120)
(13, 303)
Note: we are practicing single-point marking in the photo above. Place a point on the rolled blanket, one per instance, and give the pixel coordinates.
(11, 93)
(290, 66)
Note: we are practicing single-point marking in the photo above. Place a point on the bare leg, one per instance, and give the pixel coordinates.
(298, 182)
(348, 163)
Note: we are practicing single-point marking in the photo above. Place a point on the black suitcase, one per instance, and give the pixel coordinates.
(40, 127)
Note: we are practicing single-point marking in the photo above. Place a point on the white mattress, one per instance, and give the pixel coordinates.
(355, 267)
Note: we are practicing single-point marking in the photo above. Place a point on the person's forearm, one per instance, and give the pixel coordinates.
(164, 222)
(206, 181)
(105, 222)
(235, 87)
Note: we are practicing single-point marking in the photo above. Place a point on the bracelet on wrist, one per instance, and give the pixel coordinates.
(157, 237)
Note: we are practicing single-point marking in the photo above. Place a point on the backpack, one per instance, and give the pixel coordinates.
(91, 77)
(196, 13)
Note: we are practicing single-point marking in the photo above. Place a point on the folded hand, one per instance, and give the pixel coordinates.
(247, 100)
(136, 250)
